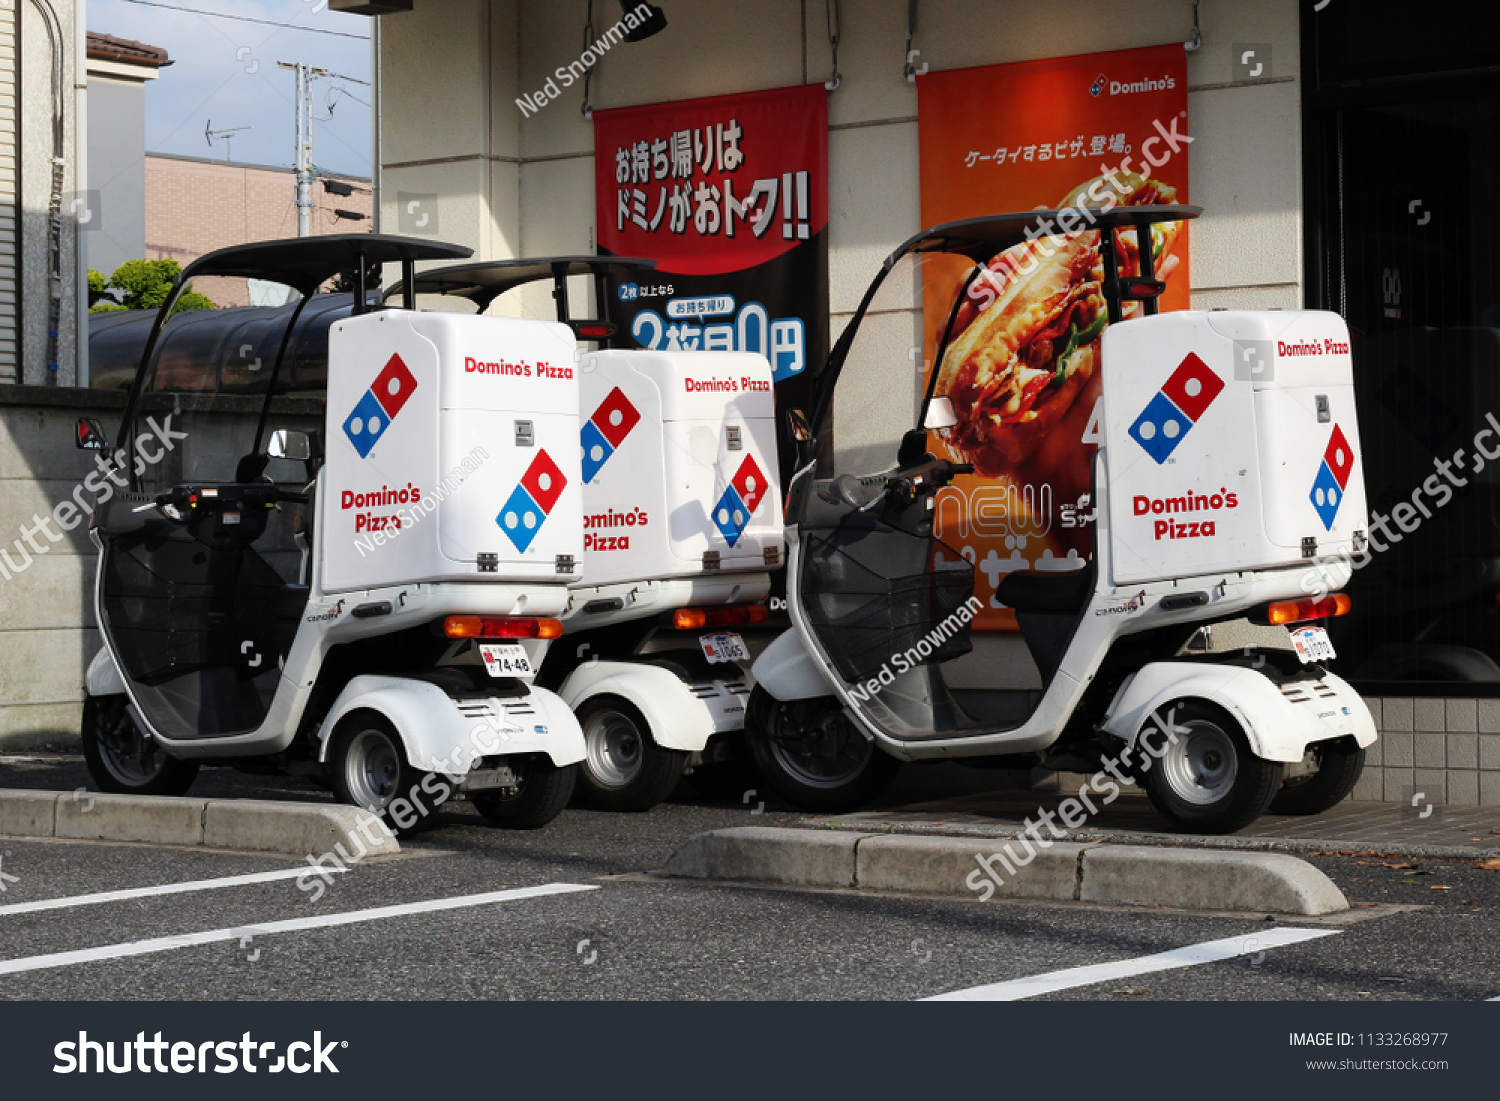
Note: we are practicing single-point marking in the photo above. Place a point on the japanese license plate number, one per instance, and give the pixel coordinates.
(1312, 644)
(506, 659)
(725, 646)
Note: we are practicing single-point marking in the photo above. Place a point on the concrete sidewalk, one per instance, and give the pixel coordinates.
(1350, 826)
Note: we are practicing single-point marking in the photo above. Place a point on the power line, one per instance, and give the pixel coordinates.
(248, 19)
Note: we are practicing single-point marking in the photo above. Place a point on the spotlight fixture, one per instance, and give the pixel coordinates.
(656, 20)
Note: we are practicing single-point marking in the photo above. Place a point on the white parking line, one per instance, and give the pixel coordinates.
(293, 925)
(69, 901)
(1191, 956)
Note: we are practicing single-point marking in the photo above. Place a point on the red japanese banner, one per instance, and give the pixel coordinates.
(1015, 138)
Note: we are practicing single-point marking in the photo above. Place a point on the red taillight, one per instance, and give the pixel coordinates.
(736, 615)
(483, 626)
(596, 332)
(1297, 611)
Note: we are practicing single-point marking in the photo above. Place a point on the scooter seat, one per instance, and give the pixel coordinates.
(1046, 591)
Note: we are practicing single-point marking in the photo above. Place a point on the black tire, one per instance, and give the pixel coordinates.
(1206, 779)
(812, 755)
(544, 791)
(122, 760)
(1339, 764)
(367, 767)
(624, 768)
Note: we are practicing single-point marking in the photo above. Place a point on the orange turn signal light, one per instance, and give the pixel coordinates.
(1297, 611)
(736, 615)
(483, 626)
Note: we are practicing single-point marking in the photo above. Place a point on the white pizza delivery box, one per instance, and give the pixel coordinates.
(452, 452)
(1231, 443)
(679, 465)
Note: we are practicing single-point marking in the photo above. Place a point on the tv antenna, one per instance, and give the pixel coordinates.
(226, 136)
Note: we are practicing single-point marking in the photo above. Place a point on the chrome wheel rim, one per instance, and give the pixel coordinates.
(616, 749)
(372, 769)
(830, 755)
(1200, 766)
(133, 759)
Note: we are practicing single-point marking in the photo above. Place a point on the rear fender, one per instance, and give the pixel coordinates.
(1279, 725)
(439, 737)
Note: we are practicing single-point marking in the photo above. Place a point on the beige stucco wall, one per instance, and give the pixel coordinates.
(512, 186)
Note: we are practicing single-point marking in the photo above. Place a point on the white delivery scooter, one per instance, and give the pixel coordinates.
(438, 540)
(1227, 462)
(682, 526)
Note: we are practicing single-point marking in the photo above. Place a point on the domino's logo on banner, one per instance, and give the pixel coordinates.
(374, 412)
(1178, 405)
(739, 501)
(1333, 477)
(532, 501)
(605, 431)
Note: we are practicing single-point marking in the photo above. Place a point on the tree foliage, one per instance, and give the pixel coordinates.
(145, 284)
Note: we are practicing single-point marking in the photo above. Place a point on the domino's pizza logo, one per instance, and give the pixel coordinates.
(1098, 86)
(1177, 406)
(740, 500)
(605, 431)
(374, 412)
(1333, 477)
(532, 501)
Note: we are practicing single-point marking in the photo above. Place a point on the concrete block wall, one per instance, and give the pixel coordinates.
(48, 632)
(1447, 749)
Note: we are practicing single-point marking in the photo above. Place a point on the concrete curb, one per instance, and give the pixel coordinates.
(296, 829)
(981, 869)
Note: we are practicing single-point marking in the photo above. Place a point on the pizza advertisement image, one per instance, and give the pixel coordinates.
(1021, 361)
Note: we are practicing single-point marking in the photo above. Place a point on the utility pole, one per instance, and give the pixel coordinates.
(306, 74)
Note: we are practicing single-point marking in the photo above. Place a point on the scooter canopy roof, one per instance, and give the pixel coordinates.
(306, 263)
(981, 238)
(482, 283)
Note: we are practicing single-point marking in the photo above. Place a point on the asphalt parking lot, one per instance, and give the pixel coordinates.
(569, 912)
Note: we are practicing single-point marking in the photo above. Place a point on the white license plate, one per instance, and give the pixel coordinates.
(725, 646)
(1312, 644)
(506, 659)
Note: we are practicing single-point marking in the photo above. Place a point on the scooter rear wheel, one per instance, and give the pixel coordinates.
(544, 792)
(1337, 770)
(1205, 779)
(123, 759)
(368, 768)
(811, 753)
(624, 768)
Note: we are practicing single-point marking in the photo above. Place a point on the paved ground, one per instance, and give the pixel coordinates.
(427, 925)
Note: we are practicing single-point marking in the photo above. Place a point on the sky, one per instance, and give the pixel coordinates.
(224, 72)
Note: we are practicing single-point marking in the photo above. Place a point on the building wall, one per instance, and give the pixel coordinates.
(117, 171)
(195, 206)
(511, 186)
(36, 147)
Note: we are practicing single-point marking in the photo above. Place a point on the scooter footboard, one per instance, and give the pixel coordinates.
(1280, 720)
(448, 736)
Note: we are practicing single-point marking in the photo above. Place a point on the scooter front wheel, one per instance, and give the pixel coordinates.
(813, 755)
(1202, 775)
(125, 760)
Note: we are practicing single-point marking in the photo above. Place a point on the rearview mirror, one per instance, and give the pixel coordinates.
(801, 432)
(89, 435)
(289, 443)
(940, 415)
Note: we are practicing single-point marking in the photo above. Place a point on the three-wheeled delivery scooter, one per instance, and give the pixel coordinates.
(438, 536)
(682, 526)
(1227, 462)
